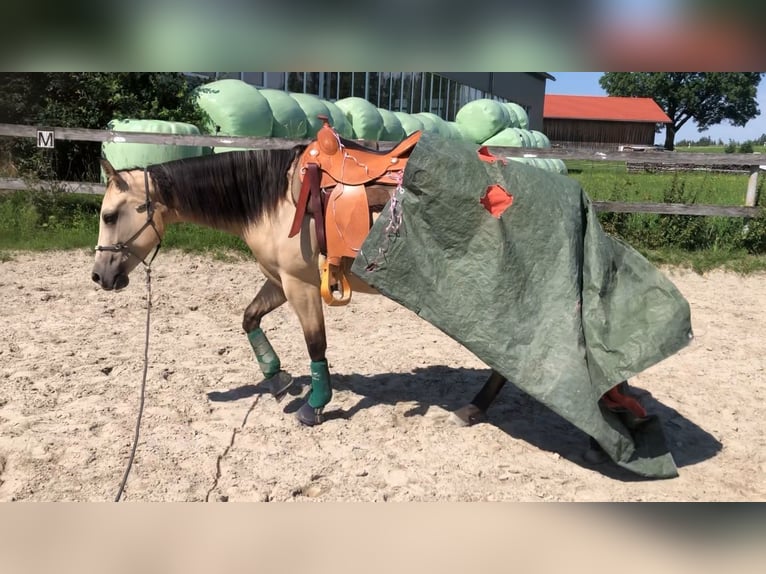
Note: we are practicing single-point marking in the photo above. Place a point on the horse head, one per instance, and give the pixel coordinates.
(130, 226)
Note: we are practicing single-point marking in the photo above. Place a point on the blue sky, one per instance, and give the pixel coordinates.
(586, 84)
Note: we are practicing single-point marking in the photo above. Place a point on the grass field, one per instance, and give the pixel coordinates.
(611, 181)
(714, 149)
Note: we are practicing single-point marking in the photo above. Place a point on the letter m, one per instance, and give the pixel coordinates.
(45, 138)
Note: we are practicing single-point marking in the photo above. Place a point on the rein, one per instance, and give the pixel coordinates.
(143, 382)
(124, 248)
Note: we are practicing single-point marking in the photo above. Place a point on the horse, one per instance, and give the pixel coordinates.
(252, 195)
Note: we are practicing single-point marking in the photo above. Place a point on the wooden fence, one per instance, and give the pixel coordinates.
(752, 163)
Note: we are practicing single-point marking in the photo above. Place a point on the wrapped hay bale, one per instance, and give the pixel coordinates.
(480, 119)
(410, 123)
(392, 127)
(540, 139)
(129, 155)
(312, 107)
(454, 131)
(439, 125)
(509, 137)
(289, 119)
(235, 108)
(364, 117)
(338, 120)
(559, 166)
(526, 137)
(519, 117)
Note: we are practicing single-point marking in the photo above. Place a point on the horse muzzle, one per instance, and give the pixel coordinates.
(115, 282)
(109, 273)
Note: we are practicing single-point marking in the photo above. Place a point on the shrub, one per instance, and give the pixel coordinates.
(746, 147)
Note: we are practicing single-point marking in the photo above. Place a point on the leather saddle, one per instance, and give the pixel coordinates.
(341, 184)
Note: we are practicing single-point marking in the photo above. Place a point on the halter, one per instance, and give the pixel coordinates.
(124, 247)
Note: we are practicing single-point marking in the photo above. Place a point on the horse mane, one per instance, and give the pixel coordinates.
(234, 187)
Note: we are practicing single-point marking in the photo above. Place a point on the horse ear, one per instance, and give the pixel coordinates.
(108, 169)
(112, 175)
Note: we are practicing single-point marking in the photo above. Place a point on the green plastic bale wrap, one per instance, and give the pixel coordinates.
(439, 125)
(560, 166)
(526, 137)
(235, 109)
(480, 119)
(509, 137)
(535, 289)
(364, 117)
(410, 124)
(392, 127)
(454, 131)
(312, 108)
(540, 139)
(338, 120)
(429, 126)
(519, 117)
(289, 119)
(128, 155)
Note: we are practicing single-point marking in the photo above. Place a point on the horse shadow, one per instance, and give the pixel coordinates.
(516, 413)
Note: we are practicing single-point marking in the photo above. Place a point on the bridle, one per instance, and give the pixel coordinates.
(124, 247)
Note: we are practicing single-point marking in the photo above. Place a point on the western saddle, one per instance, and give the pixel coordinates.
(342, 184)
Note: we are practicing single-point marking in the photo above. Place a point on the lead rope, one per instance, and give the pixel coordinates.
(143, 382)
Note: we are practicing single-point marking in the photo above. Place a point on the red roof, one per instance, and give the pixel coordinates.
(603, 108)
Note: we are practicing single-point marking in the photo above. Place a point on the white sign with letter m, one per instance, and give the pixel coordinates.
(45, 138)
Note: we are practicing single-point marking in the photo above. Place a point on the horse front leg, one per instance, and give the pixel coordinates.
(269, 297)
(476, 410)
(306, 301)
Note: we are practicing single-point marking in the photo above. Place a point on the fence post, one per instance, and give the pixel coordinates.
(751, 198)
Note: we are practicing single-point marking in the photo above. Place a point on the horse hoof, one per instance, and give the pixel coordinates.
(469, 415)
(309, 416)
(281, 384)
(595, 454)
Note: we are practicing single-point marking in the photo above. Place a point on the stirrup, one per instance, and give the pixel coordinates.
(333, 276)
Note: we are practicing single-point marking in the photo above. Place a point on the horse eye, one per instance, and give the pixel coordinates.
(109, 218)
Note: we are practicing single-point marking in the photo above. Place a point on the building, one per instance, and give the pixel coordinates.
(601, 121)
(441, 93)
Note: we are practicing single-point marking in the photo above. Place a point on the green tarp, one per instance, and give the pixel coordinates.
(541, 294)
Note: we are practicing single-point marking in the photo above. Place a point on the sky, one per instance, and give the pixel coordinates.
(586, 84)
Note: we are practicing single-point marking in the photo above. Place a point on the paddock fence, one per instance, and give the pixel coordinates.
(648, 160)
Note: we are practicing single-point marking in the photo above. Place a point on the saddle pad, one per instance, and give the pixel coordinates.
(536, 289)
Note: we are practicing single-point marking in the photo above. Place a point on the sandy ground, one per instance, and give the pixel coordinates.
(71, 360)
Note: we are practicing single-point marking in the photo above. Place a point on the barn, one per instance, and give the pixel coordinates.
(601, 121)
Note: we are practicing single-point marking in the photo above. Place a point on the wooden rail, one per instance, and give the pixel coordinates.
(658, 157)
(753, 163)
(677, 209)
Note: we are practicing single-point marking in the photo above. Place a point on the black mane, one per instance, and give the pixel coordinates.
(234, 187)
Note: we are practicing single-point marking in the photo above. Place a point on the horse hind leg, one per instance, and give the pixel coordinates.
(270, 296)
(476, 411)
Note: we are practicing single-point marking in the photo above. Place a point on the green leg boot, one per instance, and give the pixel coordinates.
(321, 393)
(269, 363)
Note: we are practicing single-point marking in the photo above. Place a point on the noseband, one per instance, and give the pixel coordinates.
(124, 247)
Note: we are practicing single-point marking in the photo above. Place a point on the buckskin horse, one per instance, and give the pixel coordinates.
(303, 212)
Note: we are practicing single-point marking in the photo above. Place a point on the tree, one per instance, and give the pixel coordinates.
(706, 97)
(88, 100)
